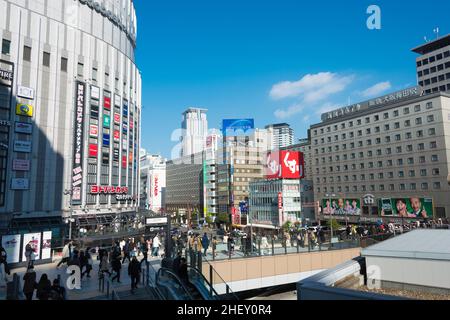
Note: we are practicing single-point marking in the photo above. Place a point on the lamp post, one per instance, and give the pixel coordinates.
(329, 196)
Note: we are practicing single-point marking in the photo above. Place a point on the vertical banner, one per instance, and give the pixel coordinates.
(46, 245)
(11, 244)
(78, 136)
(34, 239)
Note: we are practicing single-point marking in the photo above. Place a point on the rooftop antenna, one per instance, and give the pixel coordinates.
(436, 30)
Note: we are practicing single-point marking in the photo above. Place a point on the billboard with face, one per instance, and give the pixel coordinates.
(341, 206)
(412, 207)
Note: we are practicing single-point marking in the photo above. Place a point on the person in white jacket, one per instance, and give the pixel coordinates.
(66, 254)
(156, 244)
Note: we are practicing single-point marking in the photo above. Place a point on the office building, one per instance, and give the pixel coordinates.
(433, 65)
(70, 113)
(281, 134)
(194, 127)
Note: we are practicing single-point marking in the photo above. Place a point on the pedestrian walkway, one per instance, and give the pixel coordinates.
(89, 286)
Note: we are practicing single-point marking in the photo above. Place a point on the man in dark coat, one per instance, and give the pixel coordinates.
(134, 271)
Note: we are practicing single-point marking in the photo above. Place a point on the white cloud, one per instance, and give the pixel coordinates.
(309, 90)
(377, 89)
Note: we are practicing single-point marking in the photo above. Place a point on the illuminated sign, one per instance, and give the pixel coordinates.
(93, 150)
(6, 75)
(116, 118)
(77, 166)
(24, 110)
(116, 135)
(285, 164)
(106, 121)
(107, 102)
(124, 162)
(106, 140)
(108, 190)
(93, 130)
(21, 127)
(95, 93)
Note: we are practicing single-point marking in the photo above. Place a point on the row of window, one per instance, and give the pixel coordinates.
(426, 72)
(432, 59)
(371, 164)
(387, 127)
(438, 89)
(381, 187)
(380, 175)
(375, 118)
(378, 152)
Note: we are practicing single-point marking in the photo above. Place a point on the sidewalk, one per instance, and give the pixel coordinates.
(89, 286)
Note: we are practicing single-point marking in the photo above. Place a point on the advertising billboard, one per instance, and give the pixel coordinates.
(20, 184)
(106, 121)
(25, 92)
(34, 240)
(231, 127)
(11, 244)
(21, 165)
(107, 102)
(411, 207)
(93, 130)
(46, 245)
(25, 110)
(341, 206)
(284, 165)
(93, 150)
(95, 92)
(22, 146)
(21, 127)
(116, 118)
(106, 140)
(77, 165)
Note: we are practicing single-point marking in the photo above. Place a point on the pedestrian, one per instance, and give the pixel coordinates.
(176, 263)
(89, 263)
(205, 244)
(3, 267)
(264, 244)
(83, 262)
(134, 270)
(183, 271)
(116, 267)
(144, 250)
(104, 265)
(156, 244)
(57, 292)
(29, 284)
(75, 260)
(29, 254)
(214, 246)
(126, 251)
(66, 254)
(43, 288)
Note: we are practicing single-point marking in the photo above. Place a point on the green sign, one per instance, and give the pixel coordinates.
(106, 121)
(412, 207)
(341, 206)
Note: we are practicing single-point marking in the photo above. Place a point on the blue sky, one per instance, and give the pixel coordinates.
(272, 60)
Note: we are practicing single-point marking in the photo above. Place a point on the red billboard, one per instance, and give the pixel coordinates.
(93, 150)
(285, 165)
(124, 162)
(107, 102)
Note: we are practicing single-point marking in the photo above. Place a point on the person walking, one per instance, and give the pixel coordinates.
(116, 267)
(104, 265)
(214, 246)
(43, 288)
(144, 250)
(88, 263)
(29, 254)
(126, 251)
(66, 254)
(83, 262)
(3, 267)
(134, 271)
(29, 284)
(156, 244)
(205, 244)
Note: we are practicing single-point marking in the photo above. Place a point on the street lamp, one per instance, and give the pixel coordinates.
(329, 196)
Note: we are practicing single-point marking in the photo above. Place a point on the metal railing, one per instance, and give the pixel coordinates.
(105, 284)
(175, 287)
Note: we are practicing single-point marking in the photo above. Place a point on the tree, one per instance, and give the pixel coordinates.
(334, 225)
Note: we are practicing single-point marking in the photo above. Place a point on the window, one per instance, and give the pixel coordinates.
(386, 115)
(432, 131)
(378, 140)
(376, 118)
(359, 121)
(64, 63)
(6, 47)
(401, 174)
(46, 59)
(399, 150)
(419, 63)
(391, 187)
(380, 164)
(367, 120)
(390, 175)
(437, 185)
(424, 186)
(430, 118)
(422, 159)
(377, 129)
(369, 153)
(421, 147)
(406, 111)
(368, 131)
(419, 133)
(423, 172)
(397, 125)
(379, 152)
(412, 173)
(402, 186)
(410, 160)
(417, 108)
(387, 139)
(433, 145)
(436, 172)
(395, 113)
(388, 150)
(386, 127)
(400, 162)
(381, 187)
(409, 148)
(389, 163)
(94, 74)
(397, 137)
(434, 158)
(359, 133)
(80, 69)
(412, 186)
(350, 124)
(381, 175)
(26, 53)
(418, 120)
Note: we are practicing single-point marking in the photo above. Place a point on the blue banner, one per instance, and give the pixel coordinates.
(234, 126)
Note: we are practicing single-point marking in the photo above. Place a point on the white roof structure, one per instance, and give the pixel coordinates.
(418, 244)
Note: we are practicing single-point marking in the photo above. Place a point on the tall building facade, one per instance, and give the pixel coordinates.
(153, 182)
(281, 134)
(433, 65)
(194, 127)
(70, 112)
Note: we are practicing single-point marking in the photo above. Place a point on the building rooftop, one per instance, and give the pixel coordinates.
(189, 110)
(433, 45)
(277, 125)
(417, 244)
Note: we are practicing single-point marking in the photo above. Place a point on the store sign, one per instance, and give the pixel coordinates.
(22, 146)
(21, 165)
(369, 199)
(21, 127)
(106, 140)
(125, 197)
(77, 172)
(34, 240)
(93, 150)
(5, 123)
(125, 109)
(20, 184)
(232, 127)
(6, 75)
(93, 130)
(156, 220)
(108, 190)
(106, 121)
(285, 165)
(116, 135)
(107, 102)
(25, 92)
(95, 92)
(124, 162)
(24, 110)
(46, 245)
(116, 118)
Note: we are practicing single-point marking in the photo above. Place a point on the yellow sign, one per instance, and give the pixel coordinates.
(24, 110)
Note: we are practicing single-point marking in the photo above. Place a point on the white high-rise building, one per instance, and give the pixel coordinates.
(282, 135)
(195, 131)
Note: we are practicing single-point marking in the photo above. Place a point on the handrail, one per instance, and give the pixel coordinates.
(211, 288)
(146, 276)
(172, 274)
(227, 287)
